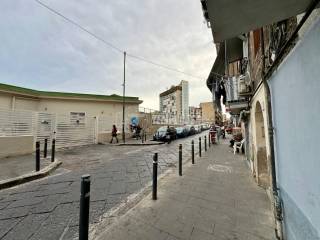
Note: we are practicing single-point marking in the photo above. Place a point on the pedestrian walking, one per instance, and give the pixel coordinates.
(114, 133)
(138, 132)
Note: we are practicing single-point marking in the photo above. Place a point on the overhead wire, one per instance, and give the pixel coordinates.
(114, 47)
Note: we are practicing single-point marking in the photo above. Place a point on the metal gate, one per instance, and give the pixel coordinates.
(75, 132)
(68, 130)
(45, 127)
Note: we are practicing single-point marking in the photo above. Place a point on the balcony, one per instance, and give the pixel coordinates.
(238, 91)
(244, 86)
(234, 107)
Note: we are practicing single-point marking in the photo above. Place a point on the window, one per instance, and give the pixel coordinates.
(78, 118)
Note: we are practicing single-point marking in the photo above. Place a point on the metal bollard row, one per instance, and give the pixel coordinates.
(85, 185)
(84, 208)
(192, 152)
(53, 150)
(180, 159)
(205, 143)
(37, 156)
(155, 176)
(45, 149)
(199, 146)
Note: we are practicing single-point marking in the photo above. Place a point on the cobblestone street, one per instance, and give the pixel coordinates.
(49, 208)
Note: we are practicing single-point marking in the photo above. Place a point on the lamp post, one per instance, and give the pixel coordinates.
(123, 97)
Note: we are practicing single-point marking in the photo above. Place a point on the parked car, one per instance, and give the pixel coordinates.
(182, 132)
(197, 128)
(204, 126)
(161, 134)
(191, 130)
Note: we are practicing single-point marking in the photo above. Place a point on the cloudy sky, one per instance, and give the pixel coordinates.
(42, 51)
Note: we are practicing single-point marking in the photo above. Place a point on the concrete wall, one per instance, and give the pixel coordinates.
(296, 105)
(13, 146)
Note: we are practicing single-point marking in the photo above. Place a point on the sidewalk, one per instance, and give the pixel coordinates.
(12, 167)
(214, 199)
(135, 142)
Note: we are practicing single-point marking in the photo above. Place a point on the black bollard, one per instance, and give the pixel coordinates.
(145, 137)
(155, 176)
(84, 208)
(205, 143)
(209, 140)
(142, 138)
(37, 156)
(180, 159)
(192, 151)
(53, 149)
(199, 146)
(45, 149)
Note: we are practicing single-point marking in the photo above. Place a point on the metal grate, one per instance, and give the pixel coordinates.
(16, 123)
(70, 132)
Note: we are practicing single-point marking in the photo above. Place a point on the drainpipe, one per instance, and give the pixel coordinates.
(276, 198)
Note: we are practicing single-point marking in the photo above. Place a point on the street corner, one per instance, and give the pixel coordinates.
(31, 176)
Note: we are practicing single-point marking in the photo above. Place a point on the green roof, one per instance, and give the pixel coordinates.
(36, 93)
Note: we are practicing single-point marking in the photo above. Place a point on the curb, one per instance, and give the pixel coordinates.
(140, 144)
(29, 176)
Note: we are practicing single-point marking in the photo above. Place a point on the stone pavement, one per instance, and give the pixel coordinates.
(12, 167)
(49, 208)
(214, 199)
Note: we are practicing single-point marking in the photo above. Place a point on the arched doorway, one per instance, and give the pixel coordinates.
(262, 163)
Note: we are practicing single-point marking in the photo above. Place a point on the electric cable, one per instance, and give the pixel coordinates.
(114, 47)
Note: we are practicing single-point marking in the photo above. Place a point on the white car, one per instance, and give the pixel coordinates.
(197, 128)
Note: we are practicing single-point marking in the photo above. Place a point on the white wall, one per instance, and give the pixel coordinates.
(296, 112)
(16, 145)
(5, 101)
(92, 108)
(30, 104)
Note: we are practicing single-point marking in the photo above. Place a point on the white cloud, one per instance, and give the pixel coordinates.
(40, 50)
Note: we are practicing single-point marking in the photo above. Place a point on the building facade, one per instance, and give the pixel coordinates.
(195, 114)
(208, 112)
(269, 68)
(174, 103)
(73, 119)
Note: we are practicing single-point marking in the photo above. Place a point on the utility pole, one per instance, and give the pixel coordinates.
(123, 97)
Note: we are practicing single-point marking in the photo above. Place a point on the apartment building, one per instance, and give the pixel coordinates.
(174, 103)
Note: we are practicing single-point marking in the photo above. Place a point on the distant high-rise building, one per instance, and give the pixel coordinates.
(185, 100)
(174, 103)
